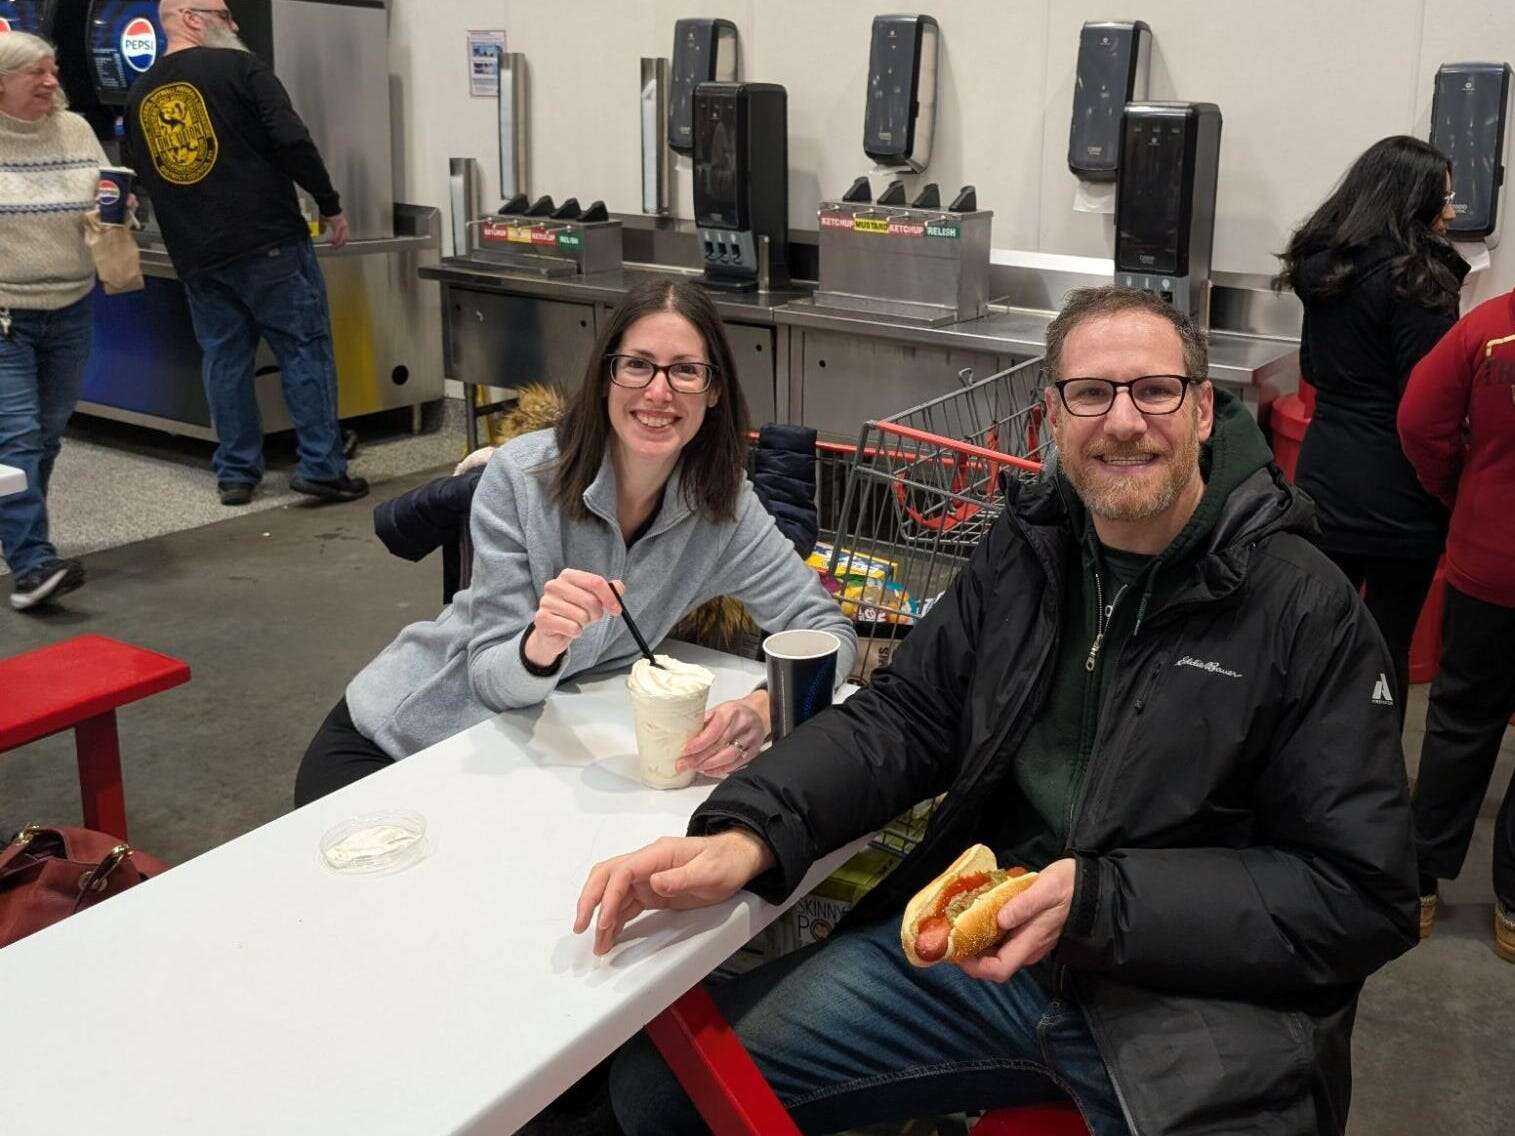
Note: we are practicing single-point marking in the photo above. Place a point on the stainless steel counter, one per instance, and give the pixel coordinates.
(385, 335)
(155, 260)
(603, 287)
(825, 368)
(1234, 359)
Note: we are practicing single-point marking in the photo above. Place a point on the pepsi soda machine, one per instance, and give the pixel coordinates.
(124, 40)
(36, 16)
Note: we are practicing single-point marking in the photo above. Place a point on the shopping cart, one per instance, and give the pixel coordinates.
(900, 514)
(924, 486)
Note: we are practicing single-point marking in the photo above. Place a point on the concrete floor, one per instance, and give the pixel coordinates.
(275, 610)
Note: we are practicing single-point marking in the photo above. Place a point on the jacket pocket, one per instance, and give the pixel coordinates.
(1192, 1066)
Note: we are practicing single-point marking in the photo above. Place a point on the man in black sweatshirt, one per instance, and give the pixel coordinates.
(216, 143)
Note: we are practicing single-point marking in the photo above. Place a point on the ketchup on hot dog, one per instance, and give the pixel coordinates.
(935, 929)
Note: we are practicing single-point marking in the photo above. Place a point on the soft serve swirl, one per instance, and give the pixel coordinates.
(674, 679)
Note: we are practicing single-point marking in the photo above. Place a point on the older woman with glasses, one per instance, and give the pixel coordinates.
(51, 163)
(641, 487)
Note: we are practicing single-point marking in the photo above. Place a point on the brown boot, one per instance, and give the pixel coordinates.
(1504, 932)
(1427, 913)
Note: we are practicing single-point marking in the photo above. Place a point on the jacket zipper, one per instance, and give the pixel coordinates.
(1102, 619)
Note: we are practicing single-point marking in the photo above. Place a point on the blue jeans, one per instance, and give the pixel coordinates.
(41, 373)
(280, 296)
(850, 1034)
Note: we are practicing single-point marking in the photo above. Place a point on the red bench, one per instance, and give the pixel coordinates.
(726, 1087)
(78, 684)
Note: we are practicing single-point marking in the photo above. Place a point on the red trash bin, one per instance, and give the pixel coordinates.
(1290, 418)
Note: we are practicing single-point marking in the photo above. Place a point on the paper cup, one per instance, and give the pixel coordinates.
(664, 724)
(801, 677)
(114, 188)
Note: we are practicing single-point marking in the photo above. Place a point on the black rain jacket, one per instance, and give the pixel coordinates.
(1242, 836)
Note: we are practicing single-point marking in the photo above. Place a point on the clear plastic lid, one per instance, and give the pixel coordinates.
(376, 844)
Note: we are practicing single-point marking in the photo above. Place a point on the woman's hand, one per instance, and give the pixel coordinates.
(731, 736)
(569, 604)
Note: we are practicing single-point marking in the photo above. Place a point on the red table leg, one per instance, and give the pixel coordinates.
(716, 1072)
(99, 752)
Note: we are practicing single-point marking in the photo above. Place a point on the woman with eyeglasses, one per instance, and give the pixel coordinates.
(1379, 283)
(640, 487)
(49, 169)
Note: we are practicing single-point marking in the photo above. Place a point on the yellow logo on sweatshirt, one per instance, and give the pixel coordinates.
(179, 134)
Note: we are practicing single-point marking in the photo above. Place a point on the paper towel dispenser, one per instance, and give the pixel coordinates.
(899, 118)
(1114, 62)
(704, 51)
(1469, 116)
(1169, 162)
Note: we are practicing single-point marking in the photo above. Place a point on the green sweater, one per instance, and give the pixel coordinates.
(1050, 765)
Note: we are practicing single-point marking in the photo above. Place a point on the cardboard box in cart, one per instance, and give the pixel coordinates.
(813, 918)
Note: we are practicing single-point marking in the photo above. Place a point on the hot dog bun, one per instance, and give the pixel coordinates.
(977, 929)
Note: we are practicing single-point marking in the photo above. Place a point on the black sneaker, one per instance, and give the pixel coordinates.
(45, 582)
(343, 488)
(235, 492)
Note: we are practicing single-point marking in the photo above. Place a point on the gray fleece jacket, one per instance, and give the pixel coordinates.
(445, 675)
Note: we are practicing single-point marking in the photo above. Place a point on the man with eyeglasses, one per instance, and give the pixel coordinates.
(1149, 686)
(218, 147)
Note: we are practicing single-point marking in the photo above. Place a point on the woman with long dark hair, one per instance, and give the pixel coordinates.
(1379, 284)
(642, 482)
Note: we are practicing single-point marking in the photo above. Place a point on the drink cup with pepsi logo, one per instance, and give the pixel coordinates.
(115, 189)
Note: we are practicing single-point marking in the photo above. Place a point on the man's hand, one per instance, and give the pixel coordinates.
(675, 872)
(337, 227)
(732, 733)
(1035, 921)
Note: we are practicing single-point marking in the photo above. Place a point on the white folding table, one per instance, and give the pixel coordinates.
(254, 990)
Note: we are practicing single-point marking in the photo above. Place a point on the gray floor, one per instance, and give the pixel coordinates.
(275, 610)
(116, 484)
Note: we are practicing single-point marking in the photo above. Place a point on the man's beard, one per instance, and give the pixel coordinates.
(219, 35)
(1117, 497)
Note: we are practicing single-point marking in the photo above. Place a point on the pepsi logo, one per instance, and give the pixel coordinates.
(5, 25)
(139, 43)
(108, 192)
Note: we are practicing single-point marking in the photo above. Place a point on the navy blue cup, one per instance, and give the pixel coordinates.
(115, 188)
(801, 677)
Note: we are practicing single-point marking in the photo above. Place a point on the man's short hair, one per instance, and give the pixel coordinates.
(1083, 304)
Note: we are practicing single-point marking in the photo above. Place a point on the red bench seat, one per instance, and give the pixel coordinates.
(78, 684)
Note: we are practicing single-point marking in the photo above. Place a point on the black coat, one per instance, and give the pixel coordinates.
(1358, 349)
(783, 477)
(431, 516)
(1243, 834)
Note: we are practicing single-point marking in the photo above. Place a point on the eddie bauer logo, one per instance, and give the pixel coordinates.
(1210, 667)
(1382, 695)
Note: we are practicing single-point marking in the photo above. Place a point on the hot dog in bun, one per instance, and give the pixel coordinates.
(956, 915)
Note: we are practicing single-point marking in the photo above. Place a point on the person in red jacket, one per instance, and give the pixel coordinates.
(1457, 426)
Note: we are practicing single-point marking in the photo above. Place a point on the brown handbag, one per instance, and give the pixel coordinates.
(47, 874)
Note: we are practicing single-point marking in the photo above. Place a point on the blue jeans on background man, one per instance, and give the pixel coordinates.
(280, 296)
(41, 373)
(850, 1034)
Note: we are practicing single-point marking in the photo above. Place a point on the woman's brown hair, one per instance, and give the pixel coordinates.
(715, 460)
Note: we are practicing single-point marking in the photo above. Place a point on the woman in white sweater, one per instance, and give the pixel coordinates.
(49, 169)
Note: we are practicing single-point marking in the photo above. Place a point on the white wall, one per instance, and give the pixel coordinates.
(1304, 86)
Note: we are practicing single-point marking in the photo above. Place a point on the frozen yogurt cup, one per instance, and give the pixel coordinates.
(667, 708)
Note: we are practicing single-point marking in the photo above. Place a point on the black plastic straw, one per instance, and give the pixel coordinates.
(632, 627)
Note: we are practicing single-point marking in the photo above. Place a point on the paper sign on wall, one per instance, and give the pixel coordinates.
(484, 51)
